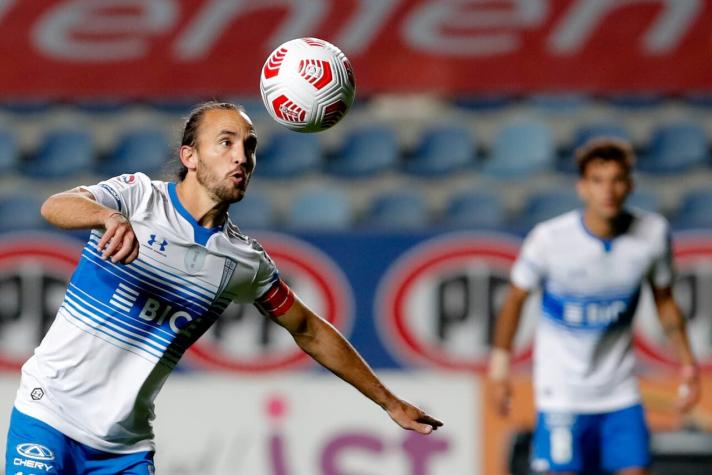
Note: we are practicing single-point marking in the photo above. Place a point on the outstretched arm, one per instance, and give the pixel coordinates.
(326, 345)
(673, 322)
(505, 329)
(77, 209)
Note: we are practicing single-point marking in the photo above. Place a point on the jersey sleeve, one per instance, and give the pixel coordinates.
(530, 267)
(274, 297)
(122, 193)
(662, 271)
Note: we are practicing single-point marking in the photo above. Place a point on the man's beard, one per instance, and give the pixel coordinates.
(219, 190)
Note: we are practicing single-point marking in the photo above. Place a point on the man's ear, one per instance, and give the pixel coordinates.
(188, 157)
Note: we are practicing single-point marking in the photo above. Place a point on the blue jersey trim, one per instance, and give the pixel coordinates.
(200, 234)
(590, 313)
(606, 243)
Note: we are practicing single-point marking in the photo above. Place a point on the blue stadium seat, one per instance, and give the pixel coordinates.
(62, 153)
(583, 134)
(521, 149)
(26, 106)
(145, 150)
(486, 102)
(105, 106)
(9, 152)
(676, 147)
(289, 154)
(323, 208)
(442, 150)
(20, 212)
(475, 209)
(636, 100)
(365, 151)
(254, 211)
(695, 210)
(397, 210)
(558, 103)
(543, 205)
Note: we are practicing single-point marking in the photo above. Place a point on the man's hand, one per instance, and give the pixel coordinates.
(689, 391)
(119, 242)
(410, 417)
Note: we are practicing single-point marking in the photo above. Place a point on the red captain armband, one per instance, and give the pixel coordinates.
(277, 300)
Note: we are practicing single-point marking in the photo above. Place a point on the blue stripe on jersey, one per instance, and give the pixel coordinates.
(590, 313)
(176, 297)
(200, 234)
(161, 336)
(162, 280)
(165, 274)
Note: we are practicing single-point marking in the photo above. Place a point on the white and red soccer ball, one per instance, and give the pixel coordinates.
(307, 84)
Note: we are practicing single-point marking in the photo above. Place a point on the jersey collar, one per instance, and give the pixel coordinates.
(200, 233)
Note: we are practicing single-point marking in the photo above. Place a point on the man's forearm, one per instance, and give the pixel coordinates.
(673, 323)
(75, 210)
(329, 348)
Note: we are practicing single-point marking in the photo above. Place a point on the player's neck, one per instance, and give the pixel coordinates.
(605, 228)
(200, 205)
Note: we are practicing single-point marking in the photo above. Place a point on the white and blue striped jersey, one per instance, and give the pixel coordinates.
(121, 329)
(583, 359)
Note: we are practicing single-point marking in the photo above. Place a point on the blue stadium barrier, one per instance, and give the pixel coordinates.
(145, 150)
(475, 209)
(521, 148)
(289, 154)
(482, 103)
(397, 210)
(676, 147)
(442, 150)
(365, 152)
(321, 208)
(62, 153)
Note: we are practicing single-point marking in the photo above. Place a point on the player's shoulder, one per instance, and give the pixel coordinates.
(649, 221)
(240, 240)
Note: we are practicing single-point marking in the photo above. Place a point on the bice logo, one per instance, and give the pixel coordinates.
(157, 242)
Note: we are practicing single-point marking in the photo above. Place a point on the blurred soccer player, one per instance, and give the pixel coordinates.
(162, 262)
(591, 265)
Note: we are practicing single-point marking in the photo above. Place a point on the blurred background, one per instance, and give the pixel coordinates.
(399, 225)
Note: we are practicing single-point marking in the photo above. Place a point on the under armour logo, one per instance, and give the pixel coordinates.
(154, 240)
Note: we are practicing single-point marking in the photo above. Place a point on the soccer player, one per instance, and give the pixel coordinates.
(162, 262)
(590, 266)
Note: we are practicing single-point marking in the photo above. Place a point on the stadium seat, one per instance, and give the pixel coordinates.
(62, 153)
(101, 106)
(26, 106)
(254, 211)
(323, 208)
(475, 209)
(543, 205)
(521, 149)
(636, 100)
(9, 152)
(442, 150)
(558, 103)
(586, 132)
(20, 212)
(289, 154)
(675, 147)
(482, 103)
(145, 150)
(397, 210)
(365, 151)
(695, 210)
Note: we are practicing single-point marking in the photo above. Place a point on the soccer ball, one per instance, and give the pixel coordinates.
(307, 84)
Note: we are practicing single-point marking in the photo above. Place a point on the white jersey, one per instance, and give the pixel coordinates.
(121, 329)
(583, 359)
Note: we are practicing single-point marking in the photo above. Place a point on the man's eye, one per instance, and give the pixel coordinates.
(226, 143)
